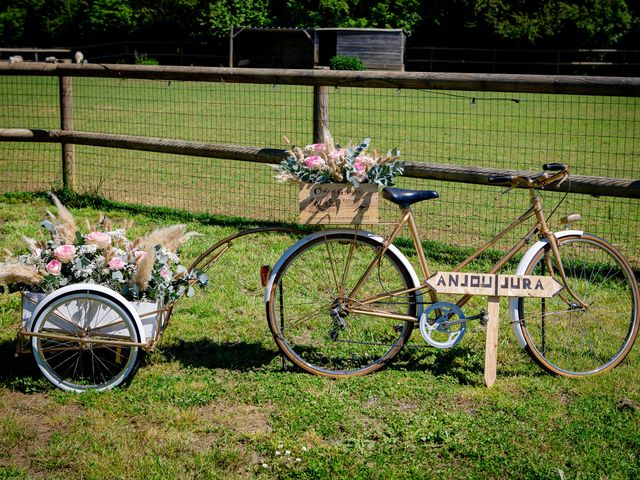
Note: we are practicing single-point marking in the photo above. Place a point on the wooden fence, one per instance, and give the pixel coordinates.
(455, 130)
(320, 79)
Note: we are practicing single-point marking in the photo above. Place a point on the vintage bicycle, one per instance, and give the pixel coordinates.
(344, 302)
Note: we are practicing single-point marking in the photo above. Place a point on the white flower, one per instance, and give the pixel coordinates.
(287, 452)
(118, 234)
(278, 453)
(170, 255)
(286, 177)
(88, 249)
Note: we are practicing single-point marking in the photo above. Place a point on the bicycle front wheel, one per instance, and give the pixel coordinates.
(592, 330)
(311, 307)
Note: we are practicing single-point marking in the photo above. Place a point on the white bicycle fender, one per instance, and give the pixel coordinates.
(528, 256)
(90, 287)
(351, 232)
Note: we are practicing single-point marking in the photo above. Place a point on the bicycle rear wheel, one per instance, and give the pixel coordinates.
(567, 338)
(309, 306)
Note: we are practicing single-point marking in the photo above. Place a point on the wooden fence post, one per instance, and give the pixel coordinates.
(320, 110)
(66, 124)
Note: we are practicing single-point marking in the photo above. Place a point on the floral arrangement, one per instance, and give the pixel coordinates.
(147, 268)
(327, 163)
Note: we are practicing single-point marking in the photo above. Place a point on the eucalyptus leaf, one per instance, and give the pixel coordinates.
(117, 276)
(48, 225)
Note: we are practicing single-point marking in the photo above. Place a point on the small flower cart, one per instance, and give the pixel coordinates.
(89, 337)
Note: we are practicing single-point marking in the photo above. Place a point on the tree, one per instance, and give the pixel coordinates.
(219, 16)
(404, 14)
(109, 18)
(176, 19)
(12, 24)
(577, 23)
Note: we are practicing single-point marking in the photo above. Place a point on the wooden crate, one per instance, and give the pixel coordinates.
(339, 203)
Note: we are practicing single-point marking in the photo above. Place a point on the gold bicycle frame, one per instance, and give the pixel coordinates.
(540, 228)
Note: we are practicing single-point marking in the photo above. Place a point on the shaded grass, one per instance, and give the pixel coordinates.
(214, 401)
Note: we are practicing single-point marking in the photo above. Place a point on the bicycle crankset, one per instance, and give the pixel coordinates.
(439, 327)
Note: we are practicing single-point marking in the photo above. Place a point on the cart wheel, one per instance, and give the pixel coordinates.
(85, 341)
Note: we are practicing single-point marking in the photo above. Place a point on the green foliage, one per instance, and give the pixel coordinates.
(554, 23)
(110, 17)
(143, 59)
(167, 18)
(65, 20)
(406, 14)
(346, 62)
(220, 15)
(12, 24)
(597, 23)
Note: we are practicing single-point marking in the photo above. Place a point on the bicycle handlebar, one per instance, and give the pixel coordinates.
(498, 179)
(554, 167)
(539, 180)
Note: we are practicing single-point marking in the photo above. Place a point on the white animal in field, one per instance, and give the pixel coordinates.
(16, 59)
(51, 60)
(79, 57)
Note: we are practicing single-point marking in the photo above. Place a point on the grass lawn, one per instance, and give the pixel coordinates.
(214, 400)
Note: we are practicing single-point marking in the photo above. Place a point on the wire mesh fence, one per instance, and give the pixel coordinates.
(596, 135)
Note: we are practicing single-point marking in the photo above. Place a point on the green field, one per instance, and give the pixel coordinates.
(595, 135)
(214, 401)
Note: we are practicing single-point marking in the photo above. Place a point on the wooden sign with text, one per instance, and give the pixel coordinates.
(494, 285)
(339, 203)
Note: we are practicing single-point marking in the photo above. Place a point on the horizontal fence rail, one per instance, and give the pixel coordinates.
(598, 186)
(172, 137)
(607, 86)
(544, 61)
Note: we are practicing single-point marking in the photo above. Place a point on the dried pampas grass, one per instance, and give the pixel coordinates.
(171, 238)
(65, 225)
(145, 267)
(11, 273)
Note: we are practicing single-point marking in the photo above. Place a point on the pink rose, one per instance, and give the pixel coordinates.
(336, 154)
(166, 274)
(139, 254)
(314, 162)
(315, 148)
(65, 253)
(116, 263)
(319, 147)
(99, 239)
(359, 166)
(54, 267)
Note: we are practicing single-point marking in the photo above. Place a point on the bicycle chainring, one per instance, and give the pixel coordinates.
(436, 327)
